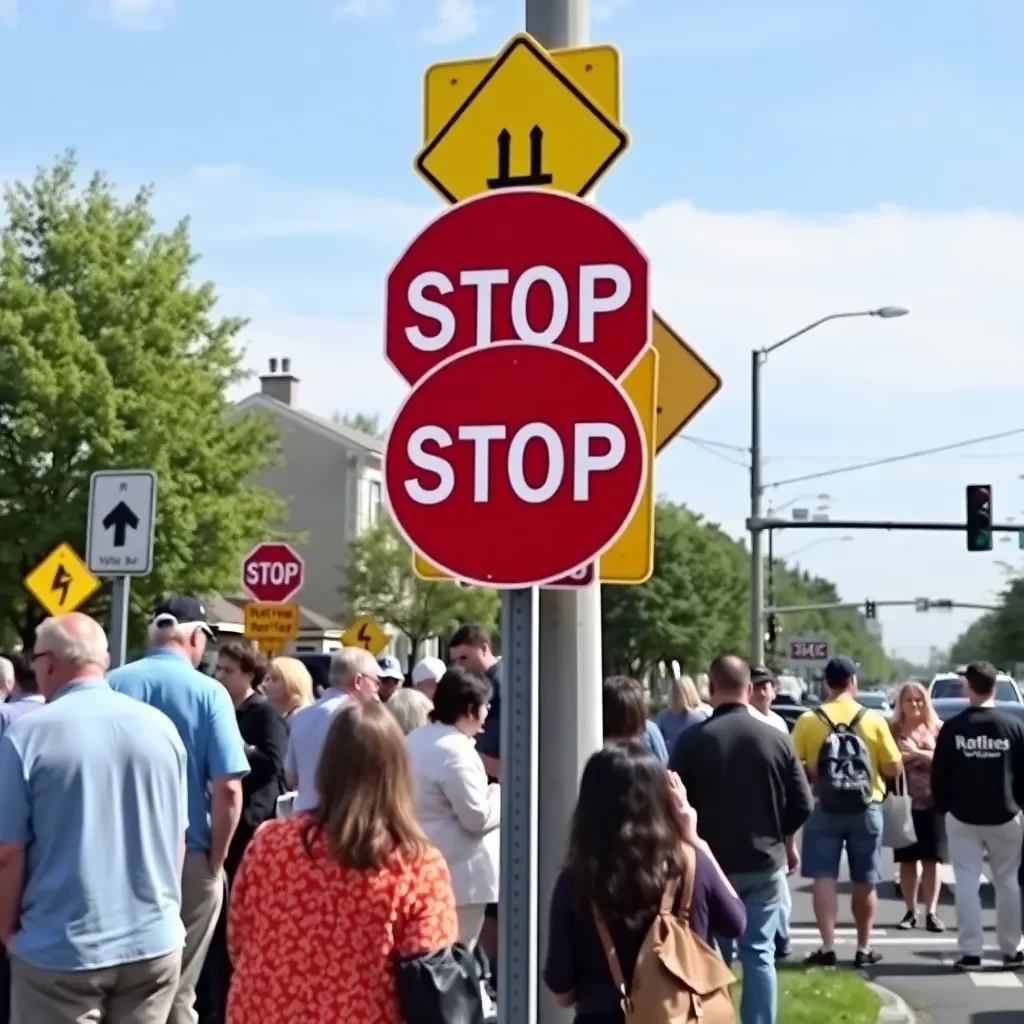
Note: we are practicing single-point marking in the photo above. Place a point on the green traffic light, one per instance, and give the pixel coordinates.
(981, 540)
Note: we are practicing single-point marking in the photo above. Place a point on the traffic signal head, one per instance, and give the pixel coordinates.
(979, 517)
(870, 610)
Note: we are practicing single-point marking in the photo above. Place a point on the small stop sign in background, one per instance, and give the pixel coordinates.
(514, 231)
(273, 571)
(506, 541)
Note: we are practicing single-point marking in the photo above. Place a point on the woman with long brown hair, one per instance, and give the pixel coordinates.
(625, 848)
(327, 901)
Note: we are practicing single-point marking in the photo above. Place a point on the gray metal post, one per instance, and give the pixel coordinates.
(756, 489)
(517, 938)
(118, 638)
(570, 625)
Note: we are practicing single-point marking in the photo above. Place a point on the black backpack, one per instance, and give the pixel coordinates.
(844, 768)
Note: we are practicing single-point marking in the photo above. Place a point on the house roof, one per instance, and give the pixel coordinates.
(229, 608)
(347, 436)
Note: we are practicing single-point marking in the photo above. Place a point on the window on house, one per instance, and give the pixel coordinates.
(374, 504)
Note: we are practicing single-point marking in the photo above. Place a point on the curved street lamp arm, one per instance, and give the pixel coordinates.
(810, 327)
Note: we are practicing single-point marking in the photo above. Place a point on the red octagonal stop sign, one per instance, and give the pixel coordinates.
(519, 265)
(514, 465)
(273, 572)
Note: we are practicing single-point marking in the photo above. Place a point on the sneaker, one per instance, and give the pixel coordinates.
(1012, 963)
(934, 923)
(866, 958)
(968, 963)
(821, 958)
(909, 921)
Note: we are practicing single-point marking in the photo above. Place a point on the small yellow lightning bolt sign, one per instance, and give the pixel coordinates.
(61, 582)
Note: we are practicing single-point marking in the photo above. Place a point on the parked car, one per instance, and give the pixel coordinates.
(877, 700)
(947, 707)
(947, 684)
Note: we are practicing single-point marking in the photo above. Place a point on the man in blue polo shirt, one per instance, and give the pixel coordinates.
(201, 710)
(92, 826)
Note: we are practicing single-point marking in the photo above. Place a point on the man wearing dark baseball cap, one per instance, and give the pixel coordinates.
(182, 610)
(168, 679)
(848, 752)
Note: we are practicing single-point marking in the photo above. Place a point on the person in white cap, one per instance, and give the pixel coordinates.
(427, 674)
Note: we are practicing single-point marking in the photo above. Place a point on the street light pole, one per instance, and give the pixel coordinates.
(758, 357)
(756, 493)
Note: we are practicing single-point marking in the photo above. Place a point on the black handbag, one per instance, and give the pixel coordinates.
(442, 987)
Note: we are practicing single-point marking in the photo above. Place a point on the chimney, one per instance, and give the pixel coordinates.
(282, 387)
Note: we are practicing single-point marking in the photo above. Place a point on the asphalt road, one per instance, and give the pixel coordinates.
(918, 965)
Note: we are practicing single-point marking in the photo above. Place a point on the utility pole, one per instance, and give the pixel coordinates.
(570, 628)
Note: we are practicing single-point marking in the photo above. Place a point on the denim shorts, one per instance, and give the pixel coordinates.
(826, 834)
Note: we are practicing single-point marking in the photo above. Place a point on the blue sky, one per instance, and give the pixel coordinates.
(790, 158)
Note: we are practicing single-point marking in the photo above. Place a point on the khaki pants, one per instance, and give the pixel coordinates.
(202, 896)
(135, 993)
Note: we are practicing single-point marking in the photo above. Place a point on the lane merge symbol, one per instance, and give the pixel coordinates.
(537, 176)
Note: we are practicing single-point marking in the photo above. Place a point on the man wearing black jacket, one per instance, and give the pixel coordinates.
(266, 742)
(751, 795)
(978, 783)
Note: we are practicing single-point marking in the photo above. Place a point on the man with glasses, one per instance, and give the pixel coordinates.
(168, 679)
(92, 823)
(354, 675)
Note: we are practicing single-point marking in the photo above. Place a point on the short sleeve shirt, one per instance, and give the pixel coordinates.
(810, 731)
(204, 716)
(94, 789)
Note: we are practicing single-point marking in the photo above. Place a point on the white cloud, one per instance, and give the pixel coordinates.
(732, 281)
(227, 203)
(8, 12)
(364, 8)
(455, 20)
(138, 15)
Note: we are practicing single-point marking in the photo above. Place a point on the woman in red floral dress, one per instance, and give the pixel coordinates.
(326, 902)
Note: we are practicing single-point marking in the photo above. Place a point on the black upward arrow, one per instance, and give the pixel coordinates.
(121, 519)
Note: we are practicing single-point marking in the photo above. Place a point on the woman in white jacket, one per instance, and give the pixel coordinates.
(457, 808)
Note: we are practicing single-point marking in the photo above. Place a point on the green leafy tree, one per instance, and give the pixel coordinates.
(998, 636)
(691, 609)
(367, 423)
(111, 357)
(975, 643)
(379, 582)
(695, 605)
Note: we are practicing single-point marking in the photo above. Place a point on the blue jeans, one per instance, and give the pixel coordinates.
(782, 933)
(763, 895)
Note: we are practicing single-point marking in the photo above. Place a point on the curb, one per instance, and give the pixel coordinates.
(894, 1009)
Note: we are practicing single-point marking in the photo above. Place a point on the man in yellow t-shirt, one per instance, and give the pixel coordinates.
(859, 829)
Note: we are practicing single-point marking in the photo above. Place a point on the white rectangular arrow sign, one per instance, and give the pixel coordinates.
(122, 515)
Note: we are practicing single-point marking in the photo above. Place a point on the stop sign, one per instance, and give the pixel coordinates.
(518, 265)
(514, 465)
(273, 572)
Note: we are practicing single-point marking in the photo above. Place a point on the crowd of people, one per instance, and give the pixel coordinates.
(150, 875)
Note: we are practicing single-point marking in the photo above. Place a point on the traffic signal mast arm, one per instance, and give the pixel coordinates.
(871, 524)
(841, 606)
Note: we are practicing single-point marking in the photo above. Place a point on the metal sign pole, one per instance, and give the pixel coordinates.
(118, 638)
(517, 941)
(570, 711)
